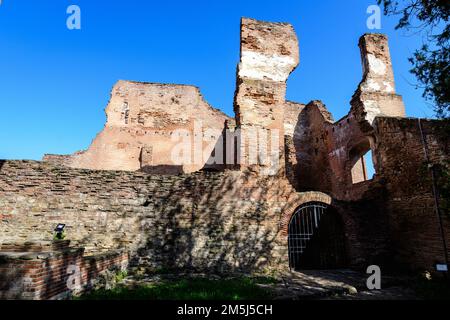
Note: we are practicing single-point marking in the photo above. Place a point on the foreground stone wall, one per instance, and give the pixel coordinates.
(237, 220)
(327, 156)
(223, 220)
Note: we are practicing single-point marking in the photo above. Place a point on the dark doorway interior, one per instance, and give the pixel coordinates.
(316, 238)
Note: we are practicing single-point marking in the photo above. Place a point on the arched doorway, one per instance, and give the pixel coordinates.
(316, 238)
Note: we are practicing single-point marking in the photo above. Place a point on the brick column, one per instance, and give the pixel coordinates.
(269, 53)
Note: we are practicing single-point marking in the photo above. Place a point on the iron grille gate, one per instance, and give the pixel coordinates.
(302, 227)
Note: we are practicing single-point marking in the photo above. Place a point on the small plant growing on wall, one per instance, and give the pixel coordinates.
(60, 234)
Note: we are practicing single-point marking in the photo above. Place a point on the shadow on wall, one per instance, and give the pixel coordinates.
(216, 230)
(2, 162)
(163, 169)
(8, 281)
(206, 221)
(307, 162)
(366, 229)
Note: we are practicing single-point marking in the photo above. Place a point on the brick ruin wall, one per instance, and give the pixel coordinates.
(225, 220)
(396, 209)
(237, 219)
(269, 53)
(230, 220)
(403, 167)
(144, 123)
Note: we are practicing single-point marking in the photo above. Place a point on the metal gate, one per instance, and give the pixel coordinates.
(316, 238)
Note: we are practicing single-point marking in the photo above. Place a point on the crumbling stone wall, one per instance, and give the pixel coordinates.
(226, 220)
(327, 156)
(221, 221)
(236, 220)
(269, 53)
(376, 93)
(39, 275)
(145, 124)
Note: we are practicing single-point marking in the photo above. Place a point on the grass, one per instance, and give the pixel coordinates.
(244, 288)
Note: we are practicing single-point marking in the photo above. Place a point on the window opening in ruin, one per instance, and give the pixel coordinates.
(362, 165)
(316, 238)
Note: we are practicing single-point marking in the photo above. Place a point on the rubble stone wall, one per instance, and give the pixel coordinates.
(223, 220)
(269, 53)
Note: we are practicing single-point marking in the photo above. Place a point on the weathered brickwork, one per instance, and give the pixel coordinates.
(190, 220)
(230, 220)
(403, 163)
(52, 275)
(376, 94)
(325, 155)
(145, 122)
(202, 215)
(269, 53)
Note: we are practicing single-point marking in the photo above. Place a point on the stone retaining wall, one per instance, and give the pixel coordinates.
(53, 275)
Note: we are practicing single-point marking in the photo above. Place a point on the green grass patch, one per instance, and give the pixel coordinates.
(120, 276)
(244, 288)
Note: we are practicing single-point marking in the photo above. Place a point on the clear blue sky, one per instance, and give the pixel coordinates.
(55, 83)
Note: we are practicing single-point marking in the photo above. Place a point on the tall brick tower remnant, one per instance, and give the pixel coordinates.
(376, 94)
(269, 53)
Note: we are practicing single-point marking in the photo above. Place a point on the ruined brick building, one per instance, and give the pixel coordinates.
(281, 186)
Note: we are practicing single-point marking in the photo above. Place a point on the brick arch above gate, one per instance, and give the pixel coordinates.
(301, 199)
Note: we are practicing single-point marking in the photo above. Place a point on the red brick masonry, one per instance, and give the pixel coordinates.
(52, 275)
